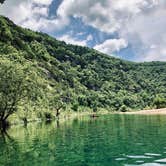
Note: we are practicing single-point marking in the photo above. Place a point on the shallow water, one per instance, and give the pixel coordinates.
(115, 140)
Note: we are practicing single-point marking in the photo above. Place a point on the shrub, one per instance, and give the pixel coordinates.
(123, 108)
(75, 107)
(48, 116)
(159, 102)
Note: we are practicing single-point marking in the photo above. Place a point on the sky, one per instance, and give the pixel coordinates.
(134, 30)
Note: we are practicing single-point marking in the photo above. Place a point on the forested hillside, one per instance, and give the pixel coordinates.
(70, 77)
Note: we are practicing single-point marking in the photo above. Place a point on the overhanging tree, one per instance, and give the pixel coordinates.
(18, 84)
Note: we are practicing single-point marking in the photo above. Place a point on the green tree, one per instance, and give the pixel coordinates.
(75, 106)
(57, 102)
(159, 102)
(17, 86)
(123, 108)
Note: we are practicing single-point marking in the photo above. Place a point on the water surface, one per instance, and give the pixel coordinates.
(110, 140)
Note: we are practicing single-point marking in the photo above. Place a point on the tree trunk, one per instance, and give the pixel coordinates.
(57, 112)
(3, 125)
(2, 116)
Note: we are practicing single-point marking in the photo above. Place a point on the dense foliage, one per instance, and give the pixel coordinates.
(18, 85)
(79, 78)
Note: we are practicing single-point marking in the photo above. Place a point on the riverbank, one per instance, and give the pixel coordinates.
(65, 116)
(161, 111)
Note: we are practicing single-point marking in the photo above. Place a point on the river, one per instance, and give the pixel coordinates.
(108, 140)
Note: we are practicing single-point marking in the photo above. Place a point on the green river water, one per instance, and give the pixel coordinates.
(109, 140)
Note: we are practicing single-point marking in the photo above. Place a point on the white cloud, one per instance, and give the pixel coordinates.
(147, 34)
(75, 41)
(155, 55)
(111, 45)
(68, 39)
(43, 2)
(40, 10)
(107, 15)
(89, 38)
(32, 14)
(139, 22)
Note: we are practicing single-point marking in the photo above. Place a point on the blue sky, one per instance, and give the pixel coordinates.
(129, 29)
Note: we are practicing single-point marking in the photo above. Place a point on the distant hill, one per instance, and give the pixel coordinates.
(82, 78)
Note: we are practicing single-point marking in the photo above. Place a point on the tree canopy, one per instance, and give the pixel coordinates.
(18, 85)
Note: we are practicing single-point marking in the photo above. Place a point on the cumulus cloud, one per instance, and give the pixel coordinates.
(147, 34)
(111, 45)
(89, 38)
(33, 14)
(140, 23)
(43, 2)
(70, 40)
(107, 15)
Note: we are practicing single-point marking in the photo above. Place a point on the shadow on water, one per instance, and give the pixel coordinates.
(9, 148)
(4, 125)
(57, 123)
(5, 136)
